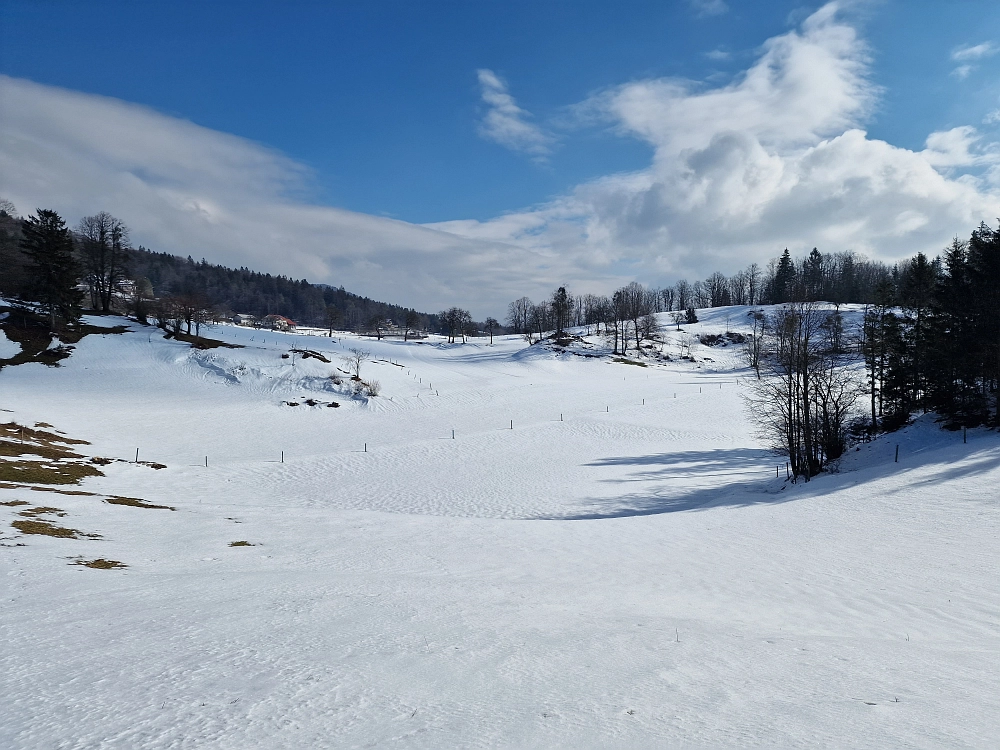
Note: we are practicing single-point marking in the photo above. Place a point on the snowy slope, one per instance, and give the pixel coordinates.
(620, 569)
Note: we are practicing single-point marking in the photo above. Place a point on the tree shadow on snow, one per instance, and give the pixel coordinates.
(728, 477)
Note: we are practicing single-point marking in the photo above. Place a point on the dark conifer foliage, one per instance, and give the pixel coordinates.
(52, 270)
(259, 294)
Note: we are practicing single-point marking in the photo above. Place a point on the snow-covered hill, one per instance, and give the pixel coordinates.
(601, 556)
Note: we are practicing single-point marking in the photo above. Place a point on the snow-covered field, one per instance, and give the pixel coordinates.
(621, 568)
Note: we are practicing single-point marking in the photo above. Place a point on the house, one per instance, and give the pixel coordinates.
(279, 323)
(244, 319)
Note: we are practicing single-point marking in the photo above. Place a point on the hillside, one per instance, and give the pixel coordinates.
(599, 555)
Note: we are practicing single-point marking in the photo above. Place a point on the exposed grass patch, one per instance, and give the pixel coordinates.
(17, 431)
(45, 528)
(201, 342)
(101, 564)
(42, 510)
(623, 361)
(134, 502)
(31, 331)
(241, 543)
(307, 353)
(54, 452)
(79, 493)
(36, 472)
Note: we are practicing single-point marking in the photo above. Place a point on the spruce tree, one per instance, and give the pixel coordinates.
(53, 270)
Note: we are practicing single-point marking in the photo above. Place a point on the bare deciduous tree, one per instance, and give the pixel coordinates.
(354, 359)
(105, 251)
(805, 395)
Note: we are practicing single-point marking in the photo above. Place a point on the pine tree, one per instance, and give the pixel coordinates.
(784, 279)
(54, 272)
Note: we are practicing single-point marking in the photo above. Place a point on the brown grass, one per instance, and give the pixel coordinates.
(16, 431)
(14, 503)
(45, 528)
(623, 361)
(78, 493)
(134, 502)
(101, 564)
(42, 510)
(201, 342)
(241, 543)
(36, 472)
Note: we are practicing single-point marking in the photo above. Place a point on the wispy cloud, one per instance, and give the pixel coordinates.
(974, 52)
(705, 8)
(717, 54)
(506, 123)
(967, 54)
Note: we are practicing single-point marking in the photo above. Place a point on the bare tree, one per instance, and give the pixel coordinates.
(518, 314)
(682, 290)
(410, 322)
(538, 319)
(491, 325)
(805, 395)
(105, 251)
(457, 322)
(377, 323)
(354, 359)
(668, 295)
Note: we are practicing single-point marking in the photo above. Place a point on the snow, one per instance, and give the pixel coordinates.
(8, 348)
(620, 569)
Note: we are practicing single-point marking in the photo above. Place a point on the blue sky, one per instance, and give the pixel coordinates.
(481, 119)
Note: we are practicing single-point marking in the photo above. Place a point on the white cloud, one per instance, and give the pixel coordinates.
(186, 189)
(778, 157)
(717, 54)
(705, 8)
(974, 52)
(958, 147)
(506, 123)
(992, 117)
(966, 53)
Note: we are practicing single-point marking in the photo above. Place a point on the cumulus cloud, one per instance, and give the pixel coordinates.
(777, 158)
(506, 123)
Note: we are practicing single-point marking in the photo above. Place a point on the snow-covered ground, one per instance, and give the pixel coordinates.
(620, 569)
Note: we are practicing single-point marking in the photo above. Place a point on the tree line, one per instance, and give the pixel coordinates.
(44, 260)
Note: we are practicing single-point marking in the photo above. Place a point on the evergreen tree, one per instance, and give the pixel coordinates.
(52, 268)
(984, 267)
(784, 279)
